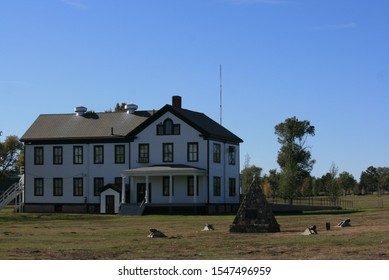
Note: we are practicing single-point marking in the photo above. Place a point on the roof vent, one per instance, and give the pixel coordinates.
(80, 110)
(131, 108)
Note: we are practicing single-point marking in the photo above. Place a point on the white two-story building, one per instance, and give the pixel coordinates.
(169, 160)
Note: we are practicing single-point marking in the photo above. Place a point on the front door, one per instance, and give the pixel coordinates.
(141, 192)
(110, 204)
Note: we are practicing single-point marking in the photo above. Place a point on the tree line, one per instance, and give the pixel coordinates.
(294, 180)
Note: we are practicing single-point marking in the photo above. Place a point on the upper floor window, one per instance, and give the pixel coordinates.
(98, 155)
(119, 154)
(78, 157)
(216, 153)
(168, 128)
(193, 152)
(231, 155)
(167, 152)
(38, 156)
(57, 155)
(143, 153)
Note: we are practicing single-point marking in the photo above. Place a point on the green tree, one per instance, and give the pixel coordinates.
(332, 187)
(383, 179)
(320, 184)
(316, 186)
(120, 107)
(294, 157)
(307, 186)
(249, 174)
(20, 161)
(9, 154)
(274, 181)
(346, 182)
(369, 180)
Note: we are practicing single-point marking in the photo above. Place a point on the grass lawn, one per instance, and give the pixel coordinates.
(69, 236)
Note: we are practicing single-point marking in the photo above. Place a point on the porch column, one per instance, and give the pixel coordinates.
(132, 190)
(195, 189)
(170, 189)
(205, 190)
(124, 189)
(147, 190)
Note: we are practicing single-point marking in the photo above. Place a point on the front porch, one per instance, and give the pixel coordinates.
(164, 186)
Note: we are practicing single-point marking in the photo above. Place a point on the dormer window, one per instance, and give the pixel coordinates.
(168, 128)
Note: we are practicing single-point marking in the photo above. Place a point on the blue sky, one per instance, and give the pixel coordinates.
(325, 61)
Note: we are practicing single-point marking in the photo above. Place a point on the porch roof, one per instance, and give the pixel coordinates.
(165, 170)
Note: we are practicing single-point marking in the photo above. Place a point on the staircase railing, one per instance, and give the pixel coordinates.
(13, 192)
(143, 202)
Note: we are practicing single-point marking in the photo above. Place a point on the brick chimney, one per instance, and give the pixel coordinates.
(177, 101)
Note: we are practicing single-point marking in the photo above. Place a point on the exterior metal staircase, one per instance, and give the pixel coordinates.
(16, 191)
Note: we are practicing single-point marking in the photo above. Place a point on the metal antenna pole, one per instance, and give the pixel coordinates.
(221, 96)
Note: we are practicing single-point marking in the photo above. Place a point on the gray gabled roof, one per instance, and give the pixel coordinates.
(105, 126)
(204, 124)
(88, 126)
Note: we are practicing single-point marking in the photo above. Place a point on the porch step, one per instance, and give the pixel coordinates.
(131, 209)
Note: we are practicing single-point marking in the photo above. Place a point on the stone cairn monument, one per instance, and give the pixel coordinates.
(254, 214)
